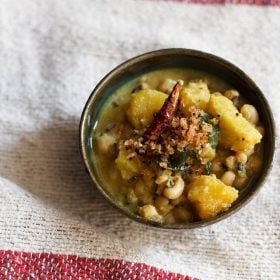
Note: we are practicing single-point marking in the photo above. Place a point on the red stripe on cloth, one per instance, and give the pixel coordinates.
(247, 2)
(43, 266)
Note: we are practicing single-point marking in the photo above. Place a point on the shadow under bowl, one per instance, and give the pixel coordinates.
(178, 58)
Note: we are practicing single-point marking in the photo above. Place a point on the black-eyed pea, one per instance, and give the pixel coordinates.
(228, 178)
(208, 153)
(231, 94)
(105, 143)
(148, 178)
(241, 157)
(180, 200)
(169, 218)
(161, 201)
(144, 85)
(217, 167)
(139, 188)
(160, 189)
(240, 182)
(163, 208)
(143, 79)
(250, 113)
(181, 214)
(176, 190)
(231, 163)
(163, 176)
(149, 212)
(167, 85)
(254, 163)
(146, 198)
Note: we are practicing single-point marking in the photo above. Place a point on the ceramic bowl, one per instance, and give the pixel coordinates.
(178, 58)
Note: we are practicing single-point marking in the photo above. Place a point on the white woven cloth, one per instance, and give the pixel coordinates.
(52, 54)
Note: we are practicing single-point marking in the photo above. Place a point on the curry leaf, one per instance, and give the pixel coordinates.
(178, 160)
(214, 136)
(208, 168)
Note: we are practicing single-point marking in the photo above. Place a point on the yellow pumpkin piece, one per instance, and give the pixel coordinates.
(236, 132)
(128, 167)
(195, 93)
(209, 196)
(143, 106)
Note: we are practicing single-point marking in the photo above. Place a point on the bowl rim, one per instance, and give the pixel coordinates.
(158, 53)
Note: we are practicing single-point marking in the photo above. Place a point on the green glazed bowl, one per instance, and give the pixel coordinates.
(178, 58)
